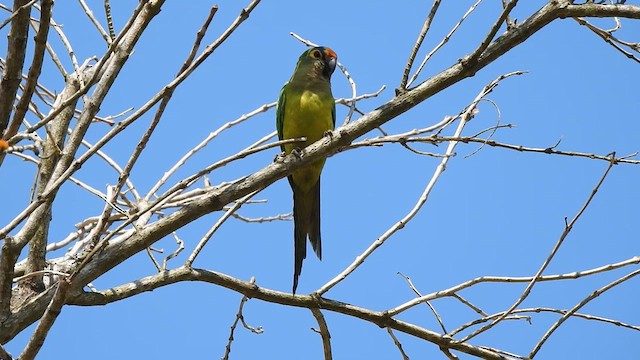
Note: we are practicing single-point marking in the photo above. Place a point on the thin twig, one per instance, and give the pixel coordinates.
(407, 138)
(82, 229)
(216, 226)
(142, 143)
(503, 353)
(324, 333)
(67, 45)
(468, 304)
(113, 164)
(487, 318)
(212, 135)
(93, 77)
(96, 23)
(573, 310)
(491, 34)
(397, 343)
(185, 183)
(77, 163)
(38, 273)
(417, 44)
(466, 116)
(493, 128)
(433, 310)
(448, 353)
(38, 208)
(565, 233)
(183, 273)
(508, 279)
(46, 321)
(510, 24)
(152, 258)
(239, 317)
(348, 101)
(107, 13)
(285, 217)
(175, 253)
(608, 37)
(441, 44)
(17, 12)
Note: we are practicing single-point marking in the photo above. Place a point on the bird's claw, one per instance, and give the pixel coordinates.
(297, 153)
(279, 157)
(328, 134)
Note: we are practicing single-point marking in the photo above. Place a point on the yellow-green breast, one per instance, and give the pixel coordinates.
(307, 115)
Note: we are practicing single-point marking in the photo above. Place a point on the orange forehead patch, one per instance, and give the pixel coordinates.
(330, 53)
(3, 145)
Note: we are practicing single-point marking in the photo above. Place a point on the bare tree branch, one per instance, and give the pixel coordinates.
(435, 139)
(34, 70)
(464, 118)
(433, 310)
(37, 287)
(40, 333)
(16, 50)
(216, 226)
(492, 33)
(567, 230)
(398, 344)
(582, 303)
(441, 44)
(416, 46)
(96, 23)
(255, 292)
(507, 279)
(124, 175)
(19, 10)
(324, 332)
(239, 317)
(107, 13)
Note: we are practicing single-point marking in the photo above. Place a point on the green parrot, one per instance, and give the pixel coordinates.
(306, 108)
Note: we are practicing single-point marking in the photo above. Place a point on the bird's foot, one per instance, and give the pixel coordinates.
(279, 157)
(297, 153)
(328, 134)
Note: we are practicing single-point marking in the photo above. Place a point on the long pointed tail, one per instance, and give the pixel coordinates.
(306, 217)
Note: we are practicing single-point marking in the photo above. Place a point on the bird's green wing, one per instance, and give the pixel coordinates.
(280, 115)
(333, 113)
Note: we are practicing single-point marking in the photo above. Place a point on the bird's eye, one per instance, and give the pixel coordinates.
(316, 54)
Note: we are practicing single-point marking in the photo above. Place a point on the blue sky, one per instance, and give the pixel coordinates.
(498, 212)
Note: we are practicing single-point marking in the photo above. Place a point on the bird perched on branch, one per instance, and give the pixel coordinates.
(306, 108)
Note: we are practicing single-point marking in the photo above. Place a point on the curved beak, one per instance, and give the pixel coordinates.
(330, 61)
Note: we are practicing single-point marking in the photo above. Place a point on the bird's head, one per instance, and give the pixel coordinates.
(321, 61)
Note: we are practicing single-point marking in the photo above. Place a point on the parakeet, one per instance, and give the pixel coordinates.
(306, 108)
